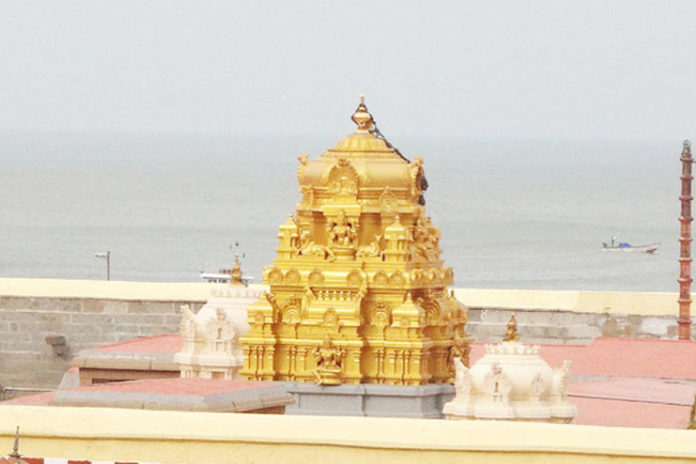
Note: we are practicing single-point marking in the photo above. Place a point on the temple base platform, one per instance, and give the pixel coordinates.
(423, 402)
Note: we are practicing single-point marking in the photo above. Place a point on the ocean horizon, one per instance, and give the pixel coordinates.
(513, 213)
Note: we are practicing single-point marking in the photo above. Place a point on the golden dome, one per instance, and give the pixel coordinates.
(363, 164)
(361, 142)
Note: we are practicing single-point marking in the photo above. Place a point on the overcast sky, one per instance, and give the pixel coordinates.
(570, 69)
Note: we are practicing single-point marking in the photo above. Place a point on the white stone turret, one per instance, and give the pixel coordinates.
(211, 347)
(511, 382)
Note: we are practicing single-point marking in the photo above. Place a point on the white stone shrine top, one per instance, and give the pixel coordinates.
(511, 382)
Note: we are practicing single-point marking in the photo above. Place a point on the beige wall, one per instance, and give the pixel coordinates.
(218, 438)
(637, 303)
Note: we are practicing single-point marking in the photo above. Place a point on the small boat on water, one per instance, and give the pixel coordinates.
(628, 248)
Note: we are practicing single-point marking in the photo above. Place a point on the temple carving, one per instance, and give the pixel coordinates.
(358, 291)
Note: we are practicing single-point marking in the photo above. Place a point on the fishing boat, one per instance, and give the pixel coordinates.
(628, 248)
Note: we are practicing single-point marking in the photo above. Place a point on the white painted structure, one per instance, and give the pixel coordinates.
(211, 346)
(511, 382)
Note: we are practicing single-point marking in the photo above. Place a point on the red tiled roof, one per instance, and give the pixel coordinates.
(593, 411)
(633, 402)
(637, 389)
(39, 399)
(621, 357)
(165, 343)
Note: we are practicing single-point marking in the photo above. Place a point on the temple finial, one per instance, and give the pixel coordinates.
(362, 117)
(14, 456)
(15, 448)
(236, 276)
(511, 334)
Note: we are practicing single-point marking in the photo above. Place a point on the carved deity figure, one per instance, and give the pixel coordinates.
(462, 379)
(459, 351)
(329, 359)
(307, 299)
(343, 179)
(219, 328)
(371, 250)
(426, 239)
(497, 384)
(309, 248)
(537, 388)
(419, 182)
(188, 323)
(342, 232)
(560, 380)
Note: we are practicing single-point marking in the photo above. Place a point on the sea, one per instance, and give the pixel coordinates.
(526, 214)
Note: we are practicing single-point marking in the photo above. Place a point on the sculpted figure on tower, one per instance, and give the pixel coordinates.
(358, 292)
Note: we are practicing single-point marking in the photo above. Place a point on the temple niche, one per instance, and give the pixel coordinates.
(358, 292)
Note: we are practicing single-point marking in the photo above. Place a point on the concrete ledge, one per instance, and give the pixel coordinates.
(103, 289)
(178, 394)
(639, 303)
(170, 437)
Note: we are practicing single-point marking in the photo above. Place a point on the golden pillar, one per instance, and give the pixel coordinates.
(358, 292)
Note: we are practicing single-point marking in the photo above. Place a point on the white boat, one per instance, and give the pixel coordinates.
(626, 247)
(223, 277)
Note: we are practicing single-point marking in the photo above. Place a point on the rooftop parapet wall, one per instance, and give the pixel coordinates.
(635, 303)
(98, 434)
(571, 316)
(107, 289)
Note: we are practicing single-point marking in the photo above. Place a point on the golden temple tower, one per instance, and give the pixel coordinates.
(358, 292)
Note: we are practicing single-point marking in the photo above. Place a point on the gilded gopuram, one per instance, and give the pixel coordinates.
(358, 292)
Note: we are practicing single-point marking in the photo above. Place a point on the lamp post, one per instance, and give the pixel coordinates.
(107, 256)
(684, 320)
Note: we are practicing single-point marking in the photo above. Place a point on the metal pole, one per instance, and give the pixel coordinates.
(107, 256)
(685, 219)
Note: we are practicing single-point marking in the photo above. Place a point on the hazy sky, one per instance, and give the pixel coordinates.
(587, 69)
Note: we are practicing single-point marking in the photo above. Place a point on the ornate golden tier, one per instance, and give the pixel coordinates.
(358, 293)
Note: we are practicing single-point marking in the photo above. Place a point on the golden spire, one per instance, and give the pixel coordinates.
(362, 117)
(236, 273)
(511, 334)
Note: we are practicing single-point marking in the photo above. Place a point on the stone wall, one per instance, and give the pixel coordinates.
(26, 360)
(567, 327)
